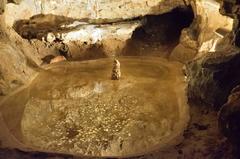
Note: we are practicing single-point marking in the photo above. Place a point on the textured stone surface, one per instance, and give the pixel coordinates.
(231, 8)
(15, 1)
(2, 6)
(187, 48)
(96, 10)
(111, 38)
(210, 19)
(213, 76)
(200, 38)
(14, 71)
(229, 117)
(18, 60)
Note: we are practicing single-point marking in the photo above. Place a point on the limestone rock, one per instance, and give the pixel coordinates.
(47, 59)
(229, 117)
(200, 38)
(96, 11)
(187, 48)
(50, 37)
(2, 6)
(116, 72)
(111, 37)
(182, 53)
(64, 50)
(213, 76)
(57, 59)
(14, 1)
(210, 19)
(14, 68)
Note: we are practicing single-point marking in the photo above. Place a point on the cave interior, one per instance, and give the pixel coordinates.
(120, 79)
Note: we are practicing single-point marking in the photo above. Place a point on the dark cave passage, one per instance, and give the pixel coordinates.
(160, 33)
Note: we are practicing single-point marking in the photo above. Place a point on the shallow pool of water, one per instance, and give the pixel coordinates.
(76, 108)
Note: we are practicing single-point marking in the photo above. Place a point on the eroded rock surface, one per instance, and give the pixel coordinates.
(93, 10)
(212, 77)
(229, 117)
(201, 37)
(18, 59)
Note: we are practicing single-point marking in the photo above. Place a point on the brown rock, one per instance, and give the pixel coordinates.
(2, 6)
(58, 59)
(116, 72)
(212, 77)
(229, 117)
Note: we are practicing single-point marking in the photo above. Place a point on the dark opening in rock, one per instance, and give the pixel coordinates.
(160, 33)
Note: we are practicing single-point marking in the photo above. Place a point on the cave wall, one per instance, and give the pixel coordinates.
(213, 74)
(202, 37)
(103, 39)
(97, 11)
(210, 19)
(18, 59)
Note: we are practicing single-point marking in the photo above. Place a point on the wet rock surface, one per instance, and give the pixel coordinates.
(212, 77)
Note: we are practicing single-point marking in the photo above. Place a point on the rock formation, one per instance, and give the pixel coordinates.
(19, 61)
(201, 37)
(57, 59)
(106, 10)
(229, 117)
(116, 71)
(230, 112)
(212, 75)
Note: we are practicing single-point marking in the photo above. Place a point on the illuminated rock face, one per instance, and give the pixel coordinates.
(96, 10)
(211, 19)
(112, 38)
(214, 73)
(18, 58)
(207, 30)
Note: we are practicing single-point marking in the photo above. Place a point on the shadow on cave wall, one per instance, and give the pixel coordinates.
(39, 25)
(159, 34)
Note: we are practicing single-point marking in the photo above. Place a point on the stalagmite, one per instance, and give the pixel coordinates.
(116, 72)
